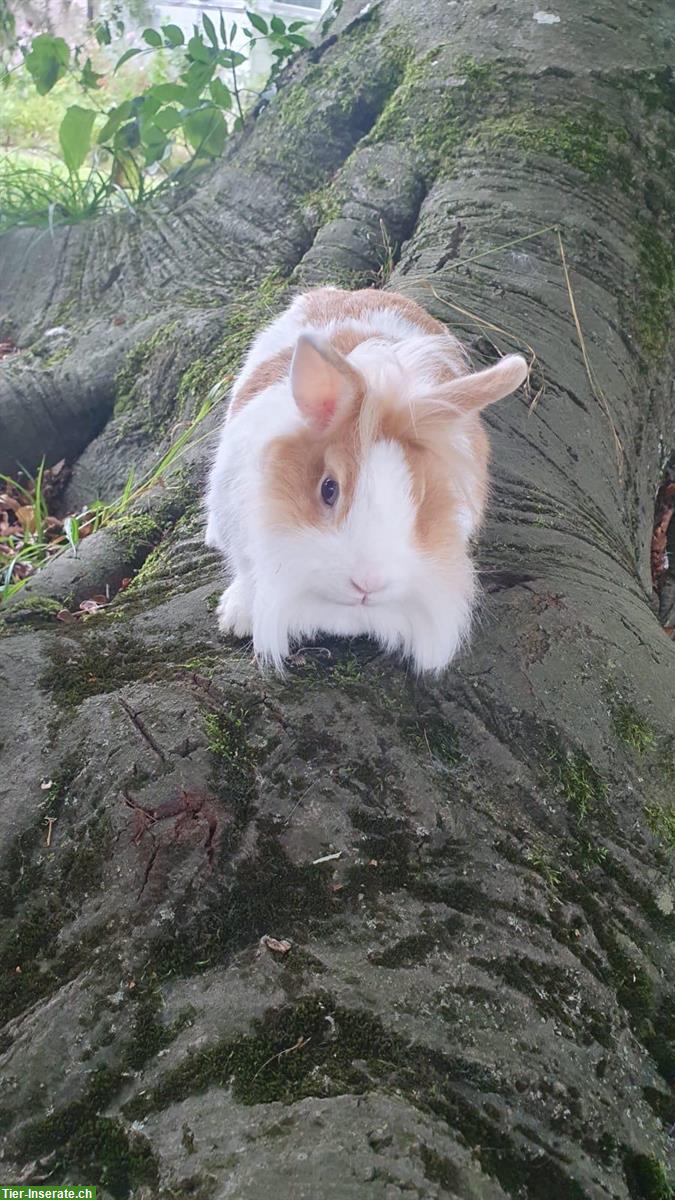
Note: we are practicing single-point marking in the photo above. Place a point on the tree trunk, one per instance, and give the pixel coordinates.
(474, 875)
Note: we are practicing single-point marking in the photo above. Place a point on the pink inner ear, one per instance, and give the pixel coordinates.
(322, 415)
(321, 380)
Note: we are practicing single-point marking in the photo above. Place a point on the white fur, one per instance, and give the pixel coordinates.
(291, 585)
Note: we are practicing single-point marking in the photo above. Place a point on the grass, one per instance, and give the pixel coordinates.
(27, 546)
(632, 728)
(661, 821)
(46, 195)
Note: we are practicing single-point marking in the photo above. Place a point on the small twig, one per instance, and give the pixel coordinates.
(299, 1045)
(482, 324)
(595, 387)
(142, 729)
(327, 858)
(298, 803)
(460, 262)
(49, 821)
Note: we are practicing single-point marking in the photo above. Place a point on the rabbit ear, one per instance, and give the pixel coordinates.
(470, 393)
(322, 381)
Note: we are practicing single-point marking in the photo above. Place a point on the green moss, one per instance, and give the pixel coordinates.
(80, 866)
(387, 840)
(419, 111)
(661, 821)
(258, 302)
(661, 1103)
(553, 993)
(653, 1025)
(20, 873)
(338, 99)
(588, 144)
(632, 728)
(580, 783)
(661, 1038)
(541, 861)
(91, 666)
(42, 890)
(30, 610)
(227, 739)
(646, 1177)
(440, 1170)
(317, 1047)
(325, 201)
(57, 356)
(93, 663)
(134, 365)
(432, 734)
(80, 1137)
(266, 892)
(148, 1034)
(653, 305)
(408, 951)
(137, 532)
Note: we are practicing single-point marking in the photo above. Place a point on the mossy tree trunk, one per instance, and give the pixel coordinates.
(475, 875)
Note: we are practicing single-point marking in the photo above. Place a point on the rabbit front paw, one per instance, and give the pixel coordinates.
(234, 610)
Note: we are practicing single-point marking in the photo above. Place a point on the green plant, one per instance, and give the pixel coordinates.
(122, 152)
(32, 538)
(32, 195)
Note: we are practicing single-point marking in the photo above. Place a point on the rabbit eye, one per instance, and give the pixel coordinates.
(330, 490)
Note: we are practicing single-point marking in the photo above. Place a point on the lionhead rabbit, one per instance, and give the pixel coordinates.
(350, 476)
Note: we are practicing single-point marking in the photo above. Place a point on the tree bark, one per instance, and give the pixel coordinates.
(474, 875)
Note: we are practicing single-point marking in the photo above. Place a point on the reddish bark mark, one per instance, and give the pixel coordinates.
(665, 507)
(187, 808)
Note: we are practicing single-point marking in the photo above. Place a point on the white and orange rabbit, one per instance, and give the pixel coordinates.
(350, 476)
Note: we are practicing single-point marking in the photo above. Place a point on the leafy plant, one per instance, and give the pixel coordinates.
(151, 138)
(30, 537)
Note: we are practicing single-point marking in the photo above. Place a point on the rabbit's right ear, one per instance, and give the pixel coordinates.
(323, 383)
(472, 392)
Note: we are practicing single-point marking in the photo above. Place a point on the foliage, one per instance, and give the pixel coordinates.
(145, 140)
(30, 536)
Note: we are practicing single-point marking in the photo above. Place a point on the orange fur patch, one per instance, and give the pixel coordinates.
(319, 308)
(271, 370)
(297, 463)
(330, 304)
(274, 369)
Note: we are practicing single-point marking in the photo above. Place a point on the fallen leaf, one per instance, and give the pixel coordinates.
(275, 945)
(64, 615)
(26, 515)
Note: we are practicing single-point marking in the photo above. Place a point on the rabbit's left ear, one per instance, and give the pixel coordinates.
(470, 393)
(323, 383)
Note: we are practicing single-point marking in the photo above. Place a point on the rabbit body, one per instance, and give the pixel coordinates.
(350, 476)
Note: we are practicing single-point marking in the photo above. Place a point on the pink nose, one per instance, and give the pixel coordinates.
(367, 583)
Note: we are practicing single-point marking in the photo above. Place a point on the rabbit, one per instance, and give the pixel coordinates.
(350, 478)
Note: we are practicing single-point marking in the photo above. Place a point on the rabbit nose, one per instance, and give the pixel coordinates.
(367, 582)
